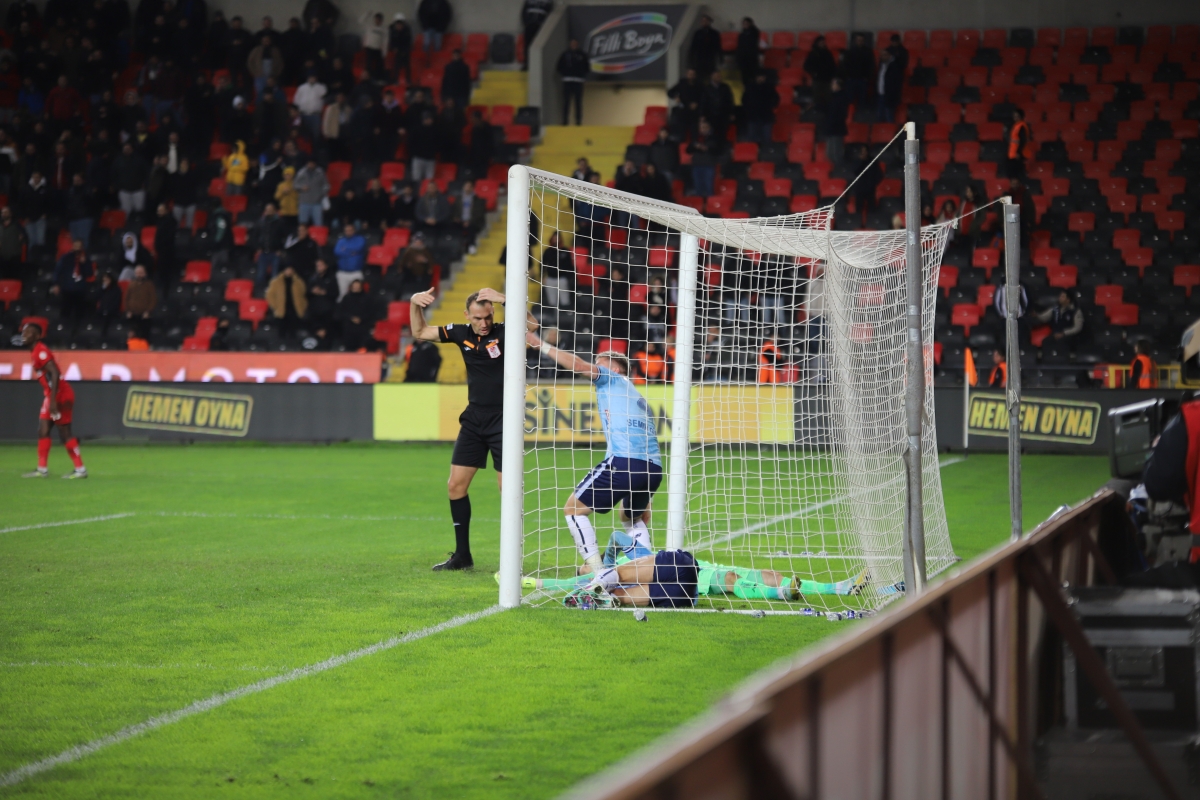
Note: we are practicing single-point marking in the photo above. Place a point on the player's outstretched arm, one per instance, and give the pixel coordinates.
(563, 358)
(420, 328)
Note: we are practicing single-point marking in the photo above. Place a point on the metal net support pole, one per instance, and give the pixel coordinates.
(914, 395)
(682, 402)
(1012, 288)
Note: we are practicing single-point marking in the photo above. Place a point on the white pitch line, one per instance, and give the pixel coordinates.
(16, 528)
(116, 665)
(217, 700)
(809, 509)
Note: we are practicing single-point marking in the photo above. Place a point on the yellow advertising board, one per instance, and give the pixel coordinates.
(187, 411)
(1043, 419)
(566, 413)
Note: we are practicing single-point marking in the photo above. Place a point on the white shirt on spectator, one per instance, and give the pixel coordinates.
(310, 98)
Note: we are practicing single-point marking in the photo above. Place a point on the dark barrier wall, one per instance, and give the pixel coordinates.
(299, 412)
(1067, 421)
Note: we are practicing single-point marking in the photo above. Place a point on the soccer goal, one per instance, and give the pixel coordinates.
(773, 355)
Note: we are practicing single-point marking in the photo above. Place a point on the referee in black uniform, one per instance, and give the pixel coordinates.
(481, 342)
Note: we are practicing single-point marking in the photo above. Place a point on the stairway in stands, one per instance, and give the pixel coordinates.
(604, 146)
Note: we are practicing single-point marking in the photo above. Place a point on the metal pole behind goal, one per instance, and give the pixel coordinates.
(914, 400)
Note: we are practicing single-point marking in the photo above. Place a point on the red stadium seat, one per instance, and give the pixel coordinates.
(1172, 221)
(197, 272)
(1047, 256)
(319, 234)
(986, 258)
(1123, 314)
(761, 171)
(112, 220)
(253, 310)
(616, 345)
(1049, 37)
(206, 327)
(745, 152)
(240, 235)
(235, 203)
(238, 290)
(717, 205)
(10, 290)
(1168, 150)
(1081, 221)
(777, 187)
(987, 294)
(194, 344)
(396, 239)
(381, 256)
(947, 278)
(938, 153)
(661, 257)
(1187, 276)
(1140, 257)
(216, 187)
(802, 202)
(966, 316)
(1062, 276)
(1109, 294)
(1127, 239)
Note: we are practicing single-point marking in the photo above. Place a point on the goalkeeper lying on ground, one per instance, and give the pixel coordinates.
(712, 579)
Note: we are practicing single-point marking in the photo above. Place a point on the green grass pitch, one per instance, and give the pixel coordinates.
(240, 563)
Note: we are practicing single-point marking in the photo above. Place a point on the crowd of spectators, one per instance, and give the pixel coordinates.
(136, 142)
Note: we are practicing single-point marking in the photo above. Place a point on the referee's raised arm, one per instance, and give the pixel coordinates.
(420, 328)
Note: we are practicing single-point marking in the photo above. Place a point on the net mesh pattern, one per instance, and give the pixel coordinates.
(795, 471)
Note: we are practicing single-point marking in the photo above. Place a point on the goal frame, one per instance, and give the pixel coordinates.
(512, 510)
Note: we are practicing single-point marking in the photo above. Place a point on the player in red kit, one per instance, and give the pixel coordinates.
(56, 408)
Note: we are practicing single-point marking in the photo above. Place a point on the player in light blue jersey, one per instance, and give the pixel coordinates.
(632, 467)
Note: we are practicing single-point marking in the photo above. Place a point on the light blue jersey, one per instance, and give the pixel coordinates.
(628, 426)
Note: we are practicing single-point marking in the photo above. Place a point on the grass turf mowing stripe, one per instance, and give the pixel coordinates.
(208, 704)
(104, 518)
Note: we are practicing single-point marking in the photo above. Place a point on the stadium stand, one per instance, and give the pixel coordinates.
(195, 92)
(1106, 174)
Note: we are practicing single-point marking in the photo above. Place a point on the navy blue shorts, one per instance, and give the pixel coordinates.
(675, 576)
(616, 479)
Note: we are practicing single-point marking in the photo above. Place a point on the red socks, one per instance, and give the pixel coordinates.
(43, 452)
(72, 446)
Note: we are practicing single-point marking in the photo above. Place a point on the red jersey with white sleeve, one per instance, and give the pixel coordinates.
(65, 396)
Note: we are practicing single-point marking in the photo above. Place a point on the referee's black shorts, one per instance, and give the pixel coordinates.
(481, 430)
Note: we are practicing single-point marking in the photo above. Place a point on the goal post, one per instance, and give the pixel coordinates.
(775, 359)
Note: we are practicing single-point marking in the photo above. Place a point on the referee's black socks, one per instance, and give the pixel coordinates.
(460, 512)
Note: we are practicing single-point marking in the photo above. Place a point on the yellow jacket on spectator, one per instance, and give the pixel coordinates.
(286, 195)
(237, 164)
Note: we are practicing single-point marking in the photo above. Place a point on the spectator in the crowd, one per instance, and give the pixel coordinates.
(310, 99)
(13, 241)
(322, 294)
(858, 65)
(664, 155)
(156, 182)
(351, 253)
(655, 185)
(391, 122)
(583, 169)
(948, 213)
(482, 146)
(131, 254)
(888, 87)
(183, 191)
(313, 192)
(346, 207)
(899, 54)
(238, 43)
(558, 273)
(533, 15)
(287, 198)
(833, 122)
(71, 276)
(301, 251)
(423, 146)
(974, 227)
(400, 44)
(356, 316)
(1065, 318)
(164, 247)
(456, 81)
(434, 16)
(450, 123)
(573, 69)
(270, 117)
(64, 105)
(270, 234)
(237, 164)
(34, 203)
(237, 124)
(628, 178)
(821, 68)
(1020, 144)
(108, 301)
(415, 268)
(293, 43)
(716, 105)
(705, 48)
(433, 210)
(749, 42)
(268, 172)
(81, 209)
(404, 204)
(685, 114)
(323, 11)
(141, 298)
(869, 176)
(1019, 193)
(334, 125)
(200, 113)
(287, 298)
(374, 42)
(705, 150)
(759, 102)
(375, 208)
(469, 214)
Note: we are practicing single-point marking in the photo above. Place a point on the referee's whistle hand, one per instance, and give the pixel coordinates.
(423, 299)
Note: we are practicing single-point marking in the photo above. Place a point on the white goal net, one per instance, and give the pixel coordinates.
(771, 356)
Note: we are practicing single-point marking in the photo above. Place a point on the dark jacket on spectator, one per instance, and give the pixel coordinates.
(837, 108)
(322, 296)
(129, 172)
(456, 79)
(302, 254)
(759, 102)
(71, 277)
(711, 152)
(820, 65)
(435, 15)
(34, 201)
(859, 63)
(270, 234)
